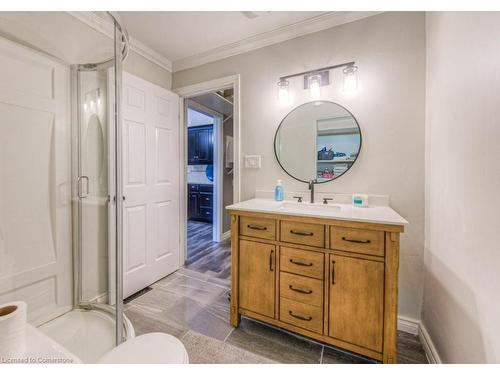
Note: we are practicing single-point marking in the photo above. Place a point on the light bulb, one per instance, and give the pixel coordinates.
(350, 79)
(315, 86)
(283, 94)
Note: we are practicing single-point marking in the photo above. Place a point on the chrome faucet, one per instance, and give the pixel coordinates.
(311, 187)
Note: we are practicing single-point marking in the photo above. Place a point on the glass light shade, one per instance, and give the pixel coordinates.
(350, 79)
(315, 86)
(283, 94)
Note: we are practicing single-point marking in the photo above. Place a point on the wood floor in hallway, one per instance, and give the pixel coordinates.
(204, 255)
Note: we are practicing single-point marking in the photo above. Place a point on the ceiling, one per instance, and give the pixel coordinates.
(58, 34)
(179, 35)
(196, 118)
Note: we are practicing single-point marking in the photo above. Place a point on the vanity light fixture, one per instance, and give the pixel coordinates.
(350, 79)
(314, 79)
(283, 94)
(315, 86)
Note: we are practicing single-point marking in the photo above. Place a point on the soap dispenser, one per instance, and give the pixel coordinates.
(278, 191)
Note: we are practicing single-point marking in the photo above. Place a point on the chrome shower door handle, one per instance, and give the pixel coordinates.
(79, 187)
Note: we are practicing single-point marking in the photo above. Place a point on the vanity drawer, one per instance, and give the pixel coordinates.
(362, 241)
(302, 233)
(301, 315)
(301, 289)
(302, 262)
(258, 227)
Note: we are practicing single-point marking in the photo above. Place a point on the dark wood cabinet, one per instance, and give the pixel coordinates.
(200, 145)
(200, 202)
(193, 205)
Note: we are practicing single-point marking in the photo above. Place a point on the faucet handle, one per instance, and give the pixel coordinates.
(299, 199)
(325, 200)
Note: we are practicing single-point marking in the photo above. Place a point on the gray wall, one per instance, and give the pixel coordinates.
(461, 307)
(389, 105)
(137, 65)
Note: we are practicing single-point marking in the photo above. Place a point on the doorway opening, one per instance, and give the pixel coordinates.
(208, 124)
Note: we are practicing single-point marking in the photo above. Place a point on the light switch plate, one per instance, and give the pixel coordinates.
(252, 161)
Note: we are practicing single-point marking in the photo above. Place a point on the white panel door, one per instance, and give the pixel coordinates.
(35, 182)
(151, 168)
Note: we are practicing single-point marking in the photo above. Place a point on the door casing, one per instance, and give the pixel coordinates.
(185, 93)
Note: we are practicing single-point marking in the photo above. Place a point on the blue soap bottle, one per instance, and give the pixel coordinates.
(278, 191)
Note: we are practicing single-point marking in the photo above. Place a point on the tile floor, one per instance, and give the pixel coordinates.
(188, 303)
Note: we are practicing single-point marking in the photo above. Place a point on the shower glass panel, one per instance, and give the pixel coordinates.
(97, 274)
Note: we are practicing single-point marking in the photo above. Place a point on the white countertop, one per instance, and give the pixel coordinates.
(372, 214)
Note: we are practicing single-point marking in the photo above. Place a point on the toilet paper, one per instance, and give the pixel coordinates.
(13, 329)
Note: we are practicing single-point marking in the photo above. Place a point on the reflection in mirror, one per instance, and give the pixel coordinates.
(95, 148)
(317, 141)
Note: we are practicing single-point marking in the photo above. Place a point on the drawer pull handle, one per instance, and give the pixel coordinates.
(333, 272)
(300, 233)
(300, 290)
(299, 263)
(256, 227)
(308, 319)
(271, 260)
(355, 241)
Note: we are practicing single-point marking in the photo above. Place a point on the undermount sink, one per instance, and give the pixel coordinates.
(309, 206)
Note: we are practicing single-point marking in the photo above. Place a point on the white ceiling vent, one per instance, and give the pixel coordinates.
(251, 15)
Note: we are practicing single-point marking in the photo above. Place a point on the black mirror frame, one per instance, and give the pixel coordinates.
(315, 101)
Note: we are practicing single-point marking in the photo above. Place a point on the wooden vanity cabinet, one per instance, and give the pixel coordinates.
(257, 273)
(333, 281)
(357, 301)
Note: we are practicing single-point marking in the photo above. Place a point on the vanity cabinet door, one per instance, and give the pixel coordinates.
(356, 301)
(257, 270)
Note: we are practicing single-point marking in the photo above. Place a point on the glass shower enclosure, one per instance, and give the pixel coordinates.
(97, 266)
(60, 175)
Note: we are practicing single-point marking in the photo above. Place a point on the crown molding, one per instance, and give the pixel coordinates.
(97, 23)
(150, 54)
(308, 26)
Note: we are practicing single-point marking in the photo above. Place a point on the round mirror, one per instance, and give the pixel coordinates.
(317, 141)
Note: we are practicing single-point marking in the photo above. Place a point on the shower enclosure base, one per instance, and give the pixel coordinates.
(86, 334)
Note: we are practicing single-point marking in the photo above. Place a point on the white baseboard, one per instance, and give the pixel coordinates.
(428, 345)
(408, 325)
(225, 236)
(415, 327)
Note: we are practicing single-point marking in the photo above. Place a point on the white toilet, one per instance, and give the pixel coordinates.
(152, 348)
